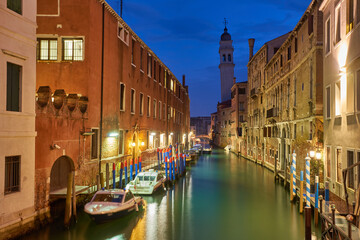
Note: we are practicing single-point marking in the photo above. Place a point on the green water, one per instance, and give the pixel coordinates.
(221, 197)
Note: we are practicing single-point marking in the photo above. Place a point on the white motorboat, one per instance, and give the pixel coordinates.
(146, 183)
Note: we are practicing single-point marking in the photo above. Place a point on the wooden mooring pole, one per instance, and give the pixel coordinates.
(68, 204)
(307, 223)
(74, 197)
(301, 209)
(107, 176)
(102, 180)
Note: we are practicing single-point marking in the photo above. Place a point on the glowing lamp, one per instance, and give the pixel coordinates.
(113, 134)
(318, 155)
(312, 153)
(133, 144)
(142, 143)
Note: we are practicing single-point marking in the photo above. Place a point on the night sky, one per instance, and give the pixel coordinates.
(185, 35)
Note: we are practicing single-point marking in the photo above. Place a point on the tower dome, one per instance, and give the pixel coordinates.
(225, 36)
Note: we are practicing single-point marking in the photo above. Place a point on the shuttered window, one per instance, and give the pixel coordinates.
(13, 94)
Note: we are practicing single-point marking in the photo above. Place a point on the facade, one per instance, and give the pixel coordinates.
(17, 115)
(103, 96)
(239, 92)
(223, 126)
(341, 91)
(226, 65)
(285, 114)
(202, 125)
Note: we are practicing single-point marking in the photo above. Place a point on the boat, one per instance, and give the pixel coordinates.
(145, 183)
(207, 148)
(107, 205)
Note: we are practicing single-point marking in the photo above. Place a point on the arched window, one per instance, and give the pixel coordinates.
(229, 58)
(224, 58)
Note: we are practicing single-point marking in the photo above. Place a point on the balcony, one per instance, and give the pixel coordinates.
(272, 112)
(253, 93)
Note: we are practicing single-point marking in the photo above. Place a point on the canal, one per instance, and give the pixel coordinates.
(221, 197)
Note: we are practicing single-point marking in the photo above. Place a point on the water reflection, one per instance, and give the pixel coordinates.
(222, 197)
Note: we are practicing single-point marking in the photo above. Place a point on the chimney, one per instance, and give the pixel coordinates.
(251, 47)
(184, 80)
(234, 81)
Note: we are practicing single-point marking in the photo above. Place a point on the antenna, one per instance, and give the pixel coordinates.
(121, 7)
(225, 22)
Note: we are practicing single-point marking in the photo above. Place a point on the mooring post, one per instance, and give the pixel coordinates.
(307, 223)
(158, 157)
(333, 218)
(174, 170)
(301, 192)
(166, 166)
(170, 168)
(74, 197)
(294, 174)
(349, 218)
(140, 164)
(114, 176)
(102, 180)
(327, 197)
(316, 201)
(107, 176)
(321, 211)
(136, 166)
(98, 185)
(131, 169)
(68, 200)
(121, 173)
(126, 173)
(307, 173)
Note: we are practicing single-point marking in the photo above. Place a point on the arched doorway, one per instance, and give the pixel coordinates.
(59, 172)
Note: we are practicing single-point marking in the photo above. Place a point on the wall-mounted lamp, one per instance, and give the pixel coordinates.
(153, 134)
(312, 153)
(133, 144)
(318, 155)
(113, 134)
(171, 133)
(142, 143)
(54, 146)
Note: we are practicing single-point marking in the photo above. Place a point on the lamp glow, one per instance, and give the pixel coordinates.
(133, 144)
(113, 134)
(318, 155)
(312, 153)
(142, 143)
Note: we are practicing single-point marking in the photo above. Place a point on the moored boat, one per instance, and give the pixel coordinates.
(146, 183)
(107, 205)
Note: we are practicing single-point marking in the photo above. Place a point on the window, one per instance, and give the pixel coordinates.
(154, 70)
(224, 58)
(165, 79)
(47, 49)
(12, 174)
(350, 93)
(328, 99)
(289, 52)
(337, 24)
(154, 108)
(141, 58)
(327, 36)
(122, 97)
(121, 142)
(164, 109)
(148, 106)
(229, 58)
(73, 49)
(159, 110)
(358, 90)
(94, 143)
(128, 197)
(337, 98)
(295, 91)
(350, 161)
(241, 118)
(295, 131)
(349, 15)
(149, 61)
(172, 85)
(338, 165)
(159, 73)
(328, 162)
(13, 87)
(15, 5)
(241, 106)
(141, 109)
(296, 45)
(132, 106)
(310, 130)
(168, 112)
(311, 24)
(241, 91)
(132, 51)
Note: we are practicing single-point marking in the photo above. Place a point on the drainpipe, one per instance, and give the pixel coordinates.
(102, 85)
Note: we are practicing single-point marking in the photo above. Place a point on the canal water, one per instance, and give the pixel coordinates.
(221, 197)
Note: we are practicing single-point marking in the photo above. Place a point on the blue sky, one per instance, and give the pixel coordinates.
(185, 34)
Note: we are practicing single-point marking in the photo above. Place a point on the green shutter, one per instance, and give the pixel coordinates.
(13, 87)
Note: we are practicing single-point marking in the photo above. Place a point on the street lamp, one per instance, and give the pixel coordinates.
(312, 153)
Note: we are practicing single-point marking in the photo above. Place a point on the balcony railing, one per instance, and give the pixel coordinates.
(272, 112)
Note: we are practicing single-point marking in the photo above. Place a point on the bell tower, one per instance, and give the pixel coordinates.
(226, 65)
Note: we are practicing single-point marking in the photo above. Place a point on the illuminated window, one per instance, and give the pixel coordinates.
(165, 79)
(350, 93)
(141, 104)
(338, 165)
(73, 49)
(337, 98)
(132, 106)
(337, 24)
(327, 35)
(47, 49)
(172, 85)
(349, 15)
(122, 97)
(15, 5)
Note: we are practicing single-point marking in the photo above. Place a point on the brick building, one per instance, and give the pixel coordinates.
(103, 96)
(202, 125)
(17, 115)
(290, 114)
(341, 91)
